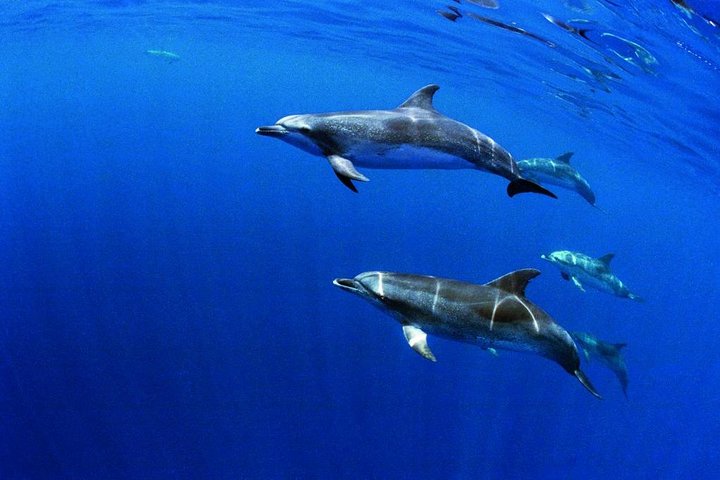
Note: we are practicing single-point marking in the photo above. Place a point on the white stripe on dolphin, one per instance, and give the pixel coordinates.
(411, 136)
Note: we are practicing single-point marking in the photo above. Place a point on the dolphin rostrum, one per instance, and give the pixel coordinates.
(494, 315)
(609, 354)
(557, 171)
(411, 136)
(594, 272)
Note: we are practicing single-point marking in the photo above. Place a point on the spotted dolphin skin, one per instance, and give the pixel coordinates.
(411, 136)
(609, 354)
(584, 270)
(495, 315)
(559, 172)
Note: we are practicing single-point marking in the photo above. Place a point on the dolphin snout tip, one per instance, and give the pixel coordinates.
(271, 130)
(348, 284)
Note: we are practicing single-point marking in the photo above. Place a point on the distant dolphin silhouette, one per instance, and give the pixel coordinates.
(411, 136)
(609, 354)
(593, 272)
(495, 315)
(170, 57)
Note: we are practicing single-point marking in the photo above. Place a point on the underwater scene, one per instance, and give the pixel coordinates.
(336, 239)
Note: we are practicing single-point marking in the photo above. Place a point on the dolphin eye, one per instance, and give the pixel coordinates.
(304, 129)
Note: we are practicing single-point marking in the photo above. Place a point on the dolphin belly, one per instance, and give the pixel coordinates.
(406, 157)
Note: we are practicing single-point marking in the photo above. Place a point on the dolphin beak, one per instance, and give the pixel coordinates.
(271, 130)
(347, 284)
(544, 257)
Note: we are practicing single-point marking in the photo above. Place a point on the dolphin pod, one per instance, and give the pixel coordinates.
(495, 315)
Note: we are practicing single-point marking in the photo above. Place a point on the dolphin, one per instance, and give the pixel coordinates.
(608, 353)
(594, 272)
(170, 57)
(411, 136)
(495, 315)
(557, 171)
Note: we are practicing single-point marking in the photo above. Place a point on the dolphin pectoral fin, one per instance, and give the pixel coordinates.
(417, 339)
(565, 276)
(492, 352)
(586, 383)
(345, 171)
(520, 185)
(577, 283)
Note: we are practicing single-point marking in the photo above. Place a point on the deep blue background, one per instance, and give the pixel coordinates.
(165, 281)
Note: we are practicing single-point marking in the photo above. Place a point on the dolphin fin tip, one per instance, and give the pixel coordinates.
(347, 182)
(520, 185)
(580, 375)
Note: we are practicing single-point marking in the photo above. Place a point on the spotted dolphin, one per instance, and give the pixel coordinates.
(609, 354)
(557, 171)
(584, 270)
(496, 315)
(411, 136)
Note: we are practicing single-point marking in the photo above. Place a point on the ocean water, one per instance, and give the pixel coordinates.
(166, 298)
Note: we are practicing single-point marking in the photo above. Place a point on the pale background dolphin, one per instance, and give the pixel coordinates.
(609, 354)
(557, 171)
(584, 270)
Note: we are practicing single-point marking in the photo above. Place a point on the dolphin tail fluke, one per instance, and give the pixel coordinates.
(637, 298)
(586, 382)
(520, 185)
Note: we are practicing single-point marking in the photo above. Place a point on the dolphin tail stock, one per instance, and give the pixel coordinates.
(520, 185)
(580, 375)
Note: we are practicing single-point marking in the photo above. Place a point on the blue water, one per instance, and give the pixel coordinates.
(166, 301)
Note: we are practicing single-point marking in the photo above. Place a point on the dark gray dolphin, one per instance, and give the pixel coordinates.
(559, 172)
(495, 315)
(609, 354)
(411, 136)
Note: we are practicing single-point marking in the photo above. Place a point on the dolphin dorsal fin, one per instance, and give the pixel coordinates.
(515, 282)
(565, 157)
(422, 98)
(606, 259)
